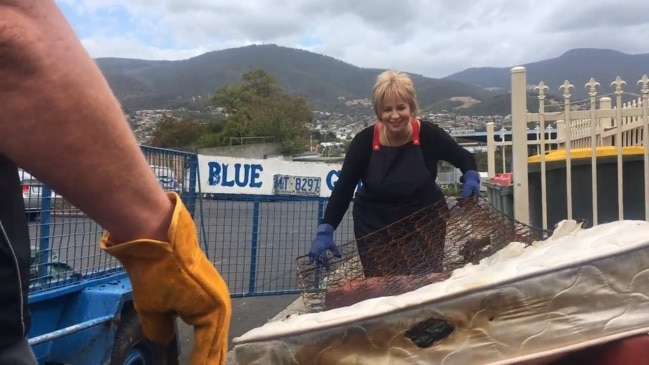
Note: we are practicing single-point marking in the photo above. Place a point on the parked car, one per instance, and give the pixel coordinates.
(31, 194)
(167, 178)
(186, 185)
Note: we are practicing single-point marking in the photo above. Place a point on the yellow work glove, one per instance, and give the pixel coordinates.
(175, 277)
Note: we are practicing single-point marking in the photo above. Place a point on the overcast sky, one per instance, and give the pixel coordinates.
(430, 37)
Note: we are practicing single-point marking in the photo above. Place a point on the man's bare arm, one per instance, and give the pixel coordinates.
(61, 122)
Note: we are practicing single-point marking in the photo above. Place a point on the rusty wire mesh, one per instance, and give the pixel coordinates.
(418, 250)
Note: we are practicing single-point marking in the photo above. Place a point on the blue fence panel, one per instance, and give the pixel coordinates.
(65, 242)
(254, 239)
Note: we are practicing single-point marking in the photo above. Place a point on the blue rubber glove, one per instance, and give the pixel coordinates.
(471, 181)
(323, 242)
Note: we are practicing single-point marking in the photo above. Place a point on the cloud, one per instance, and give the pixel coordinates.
(129, 47)
(601, 14)
(434, 38)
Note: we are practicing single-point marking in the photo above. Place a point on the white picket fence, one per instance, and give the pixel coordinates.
(584, 131)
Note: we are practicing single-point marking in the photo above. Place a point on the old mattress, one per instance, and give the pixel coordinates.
(578, 288)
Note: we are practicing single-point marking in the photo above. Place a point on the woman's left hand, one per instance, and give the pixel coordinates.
(471, 180)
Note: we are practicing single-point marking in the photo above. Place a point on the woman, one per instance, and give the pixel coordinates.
(396, 161)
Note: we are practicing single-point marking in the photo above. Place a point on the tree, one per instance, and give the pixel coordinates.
(213, 135)
(258, 107)
(172, 132)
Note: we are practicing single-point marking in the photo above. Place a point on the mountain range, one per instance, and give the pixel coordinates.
(576, 66)
(321, 80)
(326, 82)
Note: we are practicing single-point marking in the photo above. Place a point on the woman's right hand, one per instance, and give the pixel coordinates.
(323, 242)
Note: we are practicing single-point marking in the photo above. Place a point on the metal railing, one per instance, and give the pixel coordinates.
(592, 135)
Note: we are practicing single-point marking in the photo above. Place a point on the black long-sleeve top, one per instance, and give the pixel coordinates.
(435, 144)
(15, 319)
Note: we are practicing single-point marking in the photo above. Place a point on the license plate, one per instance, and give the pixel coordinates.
(296, 185)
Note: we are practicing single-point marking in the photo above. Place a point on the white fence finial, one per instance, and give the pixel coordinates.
(566, 89)
(645, 84)
(592, 87)
(618, 83)
(541, 89)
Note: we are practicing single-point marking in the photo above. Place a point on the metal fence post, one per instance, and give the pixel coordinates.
(567, 133)
(191, 189)
(491, 150)
(252, 283)
(322, 203)
(540, 136)
(644, 83)
(44, 232)
(592, 92)
(519, 144)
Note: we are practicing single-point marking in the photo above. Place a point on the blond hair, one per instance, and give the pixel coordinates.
(394, 84)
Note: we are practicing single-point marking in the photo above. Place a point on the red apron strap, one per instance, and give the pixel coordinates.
(415, 131)
(376, 142)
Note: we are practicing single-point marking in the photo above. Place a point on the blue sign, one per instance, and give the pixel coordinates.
(332, 177)
(241, 175)
(231, 175)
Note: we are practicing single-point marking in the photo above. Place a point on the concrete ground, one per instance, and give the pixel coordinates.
(247, 313)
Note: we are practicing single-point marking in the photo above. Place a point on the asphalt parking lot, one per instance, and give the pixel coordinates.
(247, 313)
